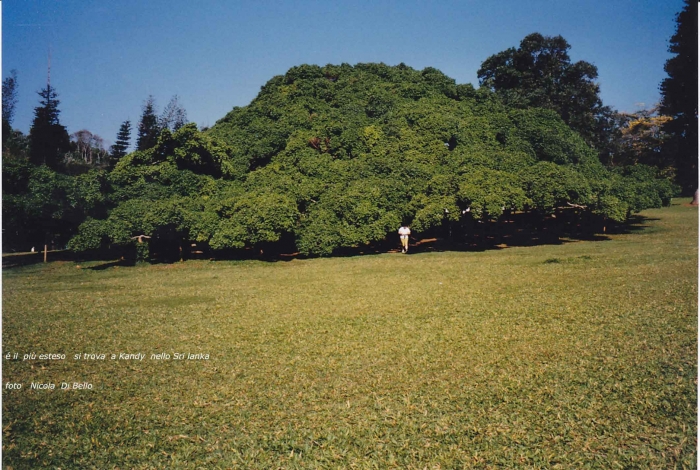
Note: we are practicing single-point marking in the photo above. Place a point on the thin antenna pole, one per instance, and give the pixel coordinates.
(48, 78)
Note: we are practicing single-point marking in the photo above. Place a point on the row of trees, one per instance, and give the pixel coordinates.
(539, 73)
(339, 156)
(48, 173)
(150, 126)
(49, 143)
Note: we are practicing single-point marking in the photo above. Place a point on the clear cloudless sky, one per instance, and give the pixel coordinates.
(107, 57)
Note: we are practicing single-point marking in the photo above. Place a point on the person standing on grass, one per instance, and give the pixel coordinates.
(404, 232)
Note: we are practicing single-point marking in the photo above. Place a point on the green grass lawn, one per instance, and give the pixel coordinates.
(577, 355)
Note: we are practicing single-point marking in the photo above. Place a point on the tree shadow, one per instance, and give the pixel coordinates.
(112, 264)
(116, 256)
(513, 231)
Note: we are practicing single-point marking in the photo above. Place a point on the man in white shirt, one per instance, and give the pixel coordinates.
(404, 232)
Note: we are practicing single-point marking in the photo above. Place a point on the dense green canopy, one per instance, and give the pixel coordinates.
(539, 73)
(341, 156)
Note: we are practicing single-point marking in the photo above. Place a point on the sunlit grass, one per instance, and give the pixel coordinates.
(556, 356)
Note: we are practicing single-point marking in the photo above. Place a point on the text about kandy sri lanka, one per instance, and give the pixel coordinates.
(32, 357)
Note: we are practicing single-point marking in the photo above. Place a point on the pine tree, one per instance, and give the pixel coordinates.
(680, 97)
(120, 147)
(148, 126)
(48, 139)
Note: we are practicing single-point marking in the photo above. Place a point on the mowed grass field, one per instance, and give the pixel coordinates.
(577, 355)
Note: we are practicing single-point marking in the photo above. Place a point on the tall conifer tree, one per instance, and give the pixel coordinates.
(123, 141)
(48, 139)
(148, 126)
(680, 97)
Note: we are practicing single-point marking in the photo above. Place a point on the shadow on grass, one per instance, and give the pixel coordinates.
(112, 264)
(492, 236)
(498, 236)
(483, 236)
(636, 223)
(110, 258)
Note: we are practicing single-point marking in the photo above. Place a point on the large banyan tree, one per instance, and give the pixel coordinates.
(340, 156)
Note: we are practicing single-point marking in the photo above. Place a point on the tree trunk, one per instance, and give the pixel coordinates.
(696, 198)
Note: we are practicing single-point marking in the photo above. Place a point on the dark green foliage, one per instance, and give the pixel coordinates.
(487, 191)
(36, 206)
(680, 97)
(148, 126)
(253, 219)
(642, 188)
(15, 145)
(48, 139)
(540, 73)
(549, 186)
(41, 206)
(187, 149)
(120, 147)
(340, 156)
(167, 192)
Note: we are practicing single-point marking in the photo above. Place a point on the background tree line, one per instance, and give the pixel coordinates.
(48, 171)
(339, 156)
(49, 143)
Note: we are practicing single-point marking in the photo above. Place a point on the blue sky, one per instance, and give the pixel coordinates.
(108, 56)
